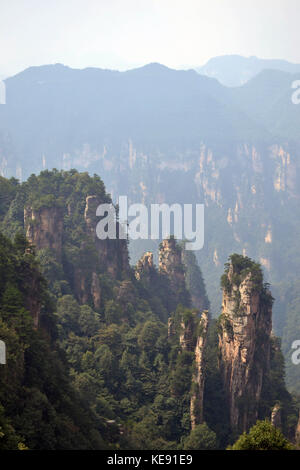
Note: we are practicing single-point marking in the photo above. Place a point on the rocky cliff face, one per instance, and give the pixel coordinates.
(170, 261)
(171, 266)
(187, 335)
(112, 254)
(276, 416)
(192, 338)
(197, 393)
(44, 228)
(33, 301)
(244, 339)
(145, 267)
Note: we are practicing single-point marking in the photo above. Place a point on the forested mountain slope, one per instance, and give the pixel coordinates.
(144, 364)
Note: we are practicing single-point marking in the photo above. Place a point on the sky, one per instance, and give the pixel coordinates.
(122, 34)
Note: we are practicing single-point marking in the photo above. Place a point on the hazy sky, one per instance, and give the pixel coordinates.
(126, 33)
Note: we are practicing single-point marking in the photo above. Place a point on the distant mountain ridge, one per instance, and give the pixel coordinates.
(236, 70)
(54, 113)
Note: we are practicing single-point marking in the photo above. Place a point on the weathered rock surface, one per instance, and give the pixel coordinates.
(145, 267)
(276, 416)
(196, 403)
(171, 266)
(44, 228)
(112, 254)
(244, 341)
(170, 262)
(192, 338)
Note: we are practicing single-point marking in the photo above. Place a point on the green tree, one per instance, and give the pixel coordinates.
(201, 438)
(262, 436)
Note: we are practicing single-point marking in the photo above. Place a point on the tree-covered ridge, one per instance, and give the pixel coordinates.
(39, 408)
(65, 189)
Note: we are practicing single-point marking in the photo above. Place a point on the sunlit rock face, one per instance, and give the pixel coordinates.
(44, 228)
(197, 392)
(244, 339)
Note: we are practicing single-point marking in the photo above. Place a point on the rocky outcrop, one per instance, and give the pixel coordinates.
(276, 416)
(187, 332)
(244, 339)
(192, 338)
(145, 267)
(170, 262)
(44, 228)
(112, 254)
(197, 393)
(171, 267)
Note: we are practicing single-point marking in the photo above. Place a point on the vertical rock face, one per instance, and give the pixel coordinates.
(244, 339)
(171, 266)
(187, 333)
(145, 267)
(276, 416)
(110, 255)
(33, 302)
(170, 262)
(44, 228)
(113, 254)
(196, 404)
(192, 338)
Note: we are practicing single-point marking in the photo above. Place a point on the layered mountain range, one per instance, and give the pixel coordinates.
(236, 70)
(159, 135)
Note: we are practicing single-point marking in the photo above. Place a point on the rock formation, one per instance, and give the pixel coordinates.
(187, 331)
(170, 262)
(145, 267)
(171, 267)
(192, 338)
(276, 416)
(197, 393)
(244, 339)
(112, 254)
(44, 228)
